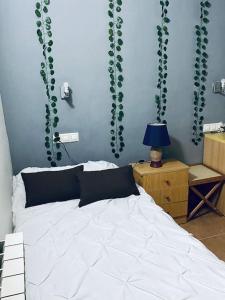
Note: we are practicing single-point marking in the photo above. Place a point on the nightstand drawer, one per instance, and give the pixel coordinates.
(174, 195)
(173, 179)
(163, 181)
(167, 196)
(178, 209)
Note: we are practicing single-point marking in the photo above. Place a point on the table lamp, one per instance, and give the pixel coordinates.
(156, 136)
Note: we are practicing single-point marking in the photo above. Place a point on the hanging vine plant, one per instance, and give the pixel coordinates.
(47, 72)
(163, 39)
(201, 73)
(116, 76)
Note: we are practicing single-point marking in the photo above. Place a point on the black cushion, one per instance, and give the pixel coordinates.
(52, 186)
(107, 184)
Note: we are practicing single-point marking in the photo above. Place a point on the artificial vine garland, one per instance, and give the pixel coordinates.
(116, 76)
(47, 72)
(163, 34)
(201, 66)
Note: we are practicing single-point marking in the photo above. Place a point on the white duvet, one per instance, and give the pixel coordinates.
(121, 249)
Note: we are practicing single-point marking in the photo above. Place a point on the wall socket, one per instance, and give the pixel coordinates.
(213, 127)
(69, 137)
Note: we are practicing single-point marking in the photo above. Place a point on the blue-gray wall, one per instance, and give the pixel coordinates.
(80, 51)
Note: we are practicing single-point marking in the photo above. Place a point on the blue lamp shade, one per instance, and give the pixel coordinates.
(156, 135)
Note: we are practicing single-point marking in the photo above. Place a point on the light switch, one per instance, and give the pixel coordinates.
(69, 137)
(212, 127)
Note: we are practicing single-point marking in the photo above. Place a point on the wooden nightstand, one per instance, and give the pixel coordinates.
(167, 185)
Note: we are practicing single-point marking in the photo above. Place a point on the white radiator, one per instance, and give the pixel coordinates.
(12, 268)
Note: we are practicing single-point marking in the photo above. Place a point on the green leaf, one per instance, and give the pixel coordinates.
(53, 164)
(207, 4)
(38, 23)
(48, 20)
(120, 78)
(50, 59)
(206, 20)
(166, 20)
(38, 14)
(120, 42)
(39, 32)
(38, 5)
(45, 9)
(110, 14)
(120, 20)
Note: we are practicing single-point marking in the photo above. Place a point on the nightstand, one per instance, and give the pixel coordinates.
(167, 185)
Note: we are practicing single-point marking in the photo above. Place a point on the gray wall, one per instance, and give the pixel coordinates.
(80, 51)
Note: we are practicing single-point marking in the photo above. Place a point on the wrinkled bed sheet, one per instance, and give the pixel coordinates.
(122, 249)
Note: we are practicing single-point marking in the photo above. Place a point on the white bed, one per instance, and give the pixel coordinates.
(121, 249)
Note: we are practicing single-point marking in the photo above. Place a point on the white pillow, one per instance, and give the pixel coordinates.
(19, 193)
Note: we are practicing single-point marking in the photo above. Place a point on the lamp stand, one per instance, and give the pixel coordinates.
(156, 157)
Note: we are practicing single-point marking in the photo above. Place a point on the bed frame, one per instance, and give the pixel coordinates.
(5, 180)
(12, 277)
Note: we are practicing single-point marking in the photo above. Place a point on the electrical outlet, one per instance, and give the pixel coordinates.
(213, 127)
(69, 137)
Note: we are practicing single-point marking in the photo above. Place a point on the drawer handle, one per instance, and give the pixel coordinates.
(167, 182)
(168, 199)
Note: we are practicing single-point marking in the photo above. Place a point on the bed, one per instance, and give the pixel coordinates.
(120, 249)
(127, 249)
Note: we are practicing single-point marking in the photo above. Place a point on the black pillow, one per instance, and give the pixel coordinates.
(107, 184)
(52, 186)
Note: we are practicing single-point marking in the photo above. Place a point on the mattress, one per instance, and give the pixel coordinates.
(120, 249)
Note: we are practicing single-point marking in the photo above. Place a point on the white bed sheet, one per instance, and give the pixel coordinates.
(121, 249)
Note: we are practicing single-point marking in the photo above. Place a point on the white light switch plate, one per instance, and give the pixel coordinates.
(69, 137)
(212, 127)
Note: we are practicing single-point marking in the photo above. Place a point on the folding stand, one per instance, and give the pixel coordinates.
(198, 175)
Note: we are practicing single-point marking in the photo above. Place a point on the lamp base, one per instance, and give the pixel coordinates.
(156, 164)
(156, 158)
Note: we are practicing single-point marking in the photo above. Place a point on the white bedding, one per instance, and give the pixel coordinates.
(121, 249)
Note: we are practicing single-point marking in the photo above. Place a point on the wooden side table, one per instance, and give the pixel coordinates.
(199, 175)
(214, 157)
(167, 185)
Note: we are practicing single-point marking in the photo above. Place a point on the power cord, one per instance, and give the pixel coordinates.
(69, 156)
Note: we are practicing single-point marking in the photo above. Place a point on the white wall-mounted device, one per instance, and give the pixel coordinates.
(65, 91)
(219, 87)
(69, 137)
(213, 127)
